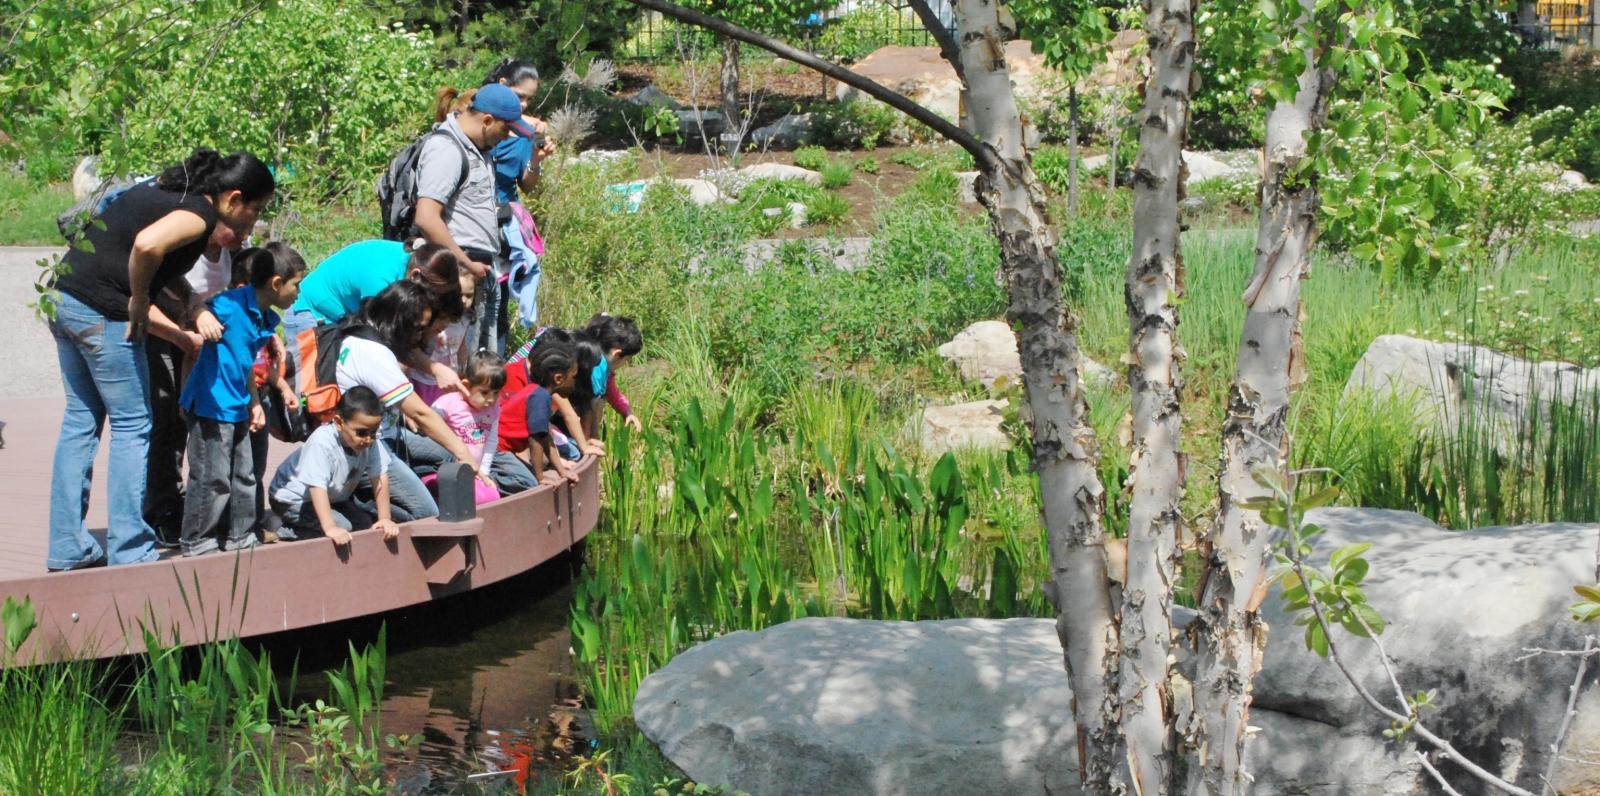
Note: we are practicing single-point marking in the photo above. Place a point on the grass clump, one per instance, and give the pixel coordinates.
(837, 174)
(811, 157)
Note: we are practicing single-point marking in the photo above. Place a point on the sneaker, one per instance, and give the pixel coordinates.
(200, 548)
(90, 564)
(244, 543)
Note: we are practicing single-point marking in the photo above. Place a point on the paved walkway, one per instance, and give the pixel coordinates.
(31, 403)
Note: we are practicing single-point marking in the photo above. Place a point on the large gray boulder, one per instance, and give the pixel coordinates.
(1440, 376)
(921, 74)
(971, 425)
(983, 706)
(1462, 607)
(779, 171)
(842, 706)
(787, 132)
(986, 352)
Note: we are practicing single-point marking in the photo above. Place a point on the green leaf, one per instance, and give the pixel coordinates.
(1371, 616)
(1590, 593)
(1319, 499)
(18, 621)
(1344, 554)
(1353, 572)
(1316, 640)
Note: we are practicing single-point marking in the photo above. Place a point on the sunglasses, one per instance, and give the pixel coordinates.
(364, 433)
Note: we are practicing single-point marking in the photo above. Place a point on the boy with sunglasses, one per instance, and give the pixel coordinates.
(314, 487)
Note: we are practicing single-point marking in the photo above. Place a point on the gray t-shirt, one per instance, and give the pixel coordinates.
(323, 462)
(472, 216)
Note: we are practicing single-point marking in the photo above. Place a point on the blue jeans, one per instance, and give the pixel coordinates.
(524, 270)
(105, 376)
(408, 497)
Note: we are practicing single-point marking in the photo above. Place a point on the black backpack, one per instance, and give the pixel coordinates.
(397, 188)
(317, 380)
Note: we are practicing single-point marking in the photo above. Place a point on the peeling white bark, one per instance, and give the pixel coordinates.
(1155, 467)
(1063, 441)
(1228, 632)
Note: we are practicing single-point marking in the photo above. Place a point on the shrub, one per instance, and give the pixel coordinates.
(346, 93)
(811, 157)
(869, 26)
(837, 174)
(868, 165)
(860, 123)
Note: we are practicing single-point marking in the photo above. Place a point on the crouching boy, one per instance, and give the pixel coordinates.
(314, 487)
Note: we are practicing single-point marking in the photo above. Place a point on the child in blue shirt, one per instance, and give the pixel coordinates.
(220, 398)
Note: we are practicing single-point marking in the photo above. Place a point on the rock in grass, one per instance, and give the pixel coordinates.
(696, 124)
(652, 97)
(86, 177)
(1461, 608)
(984, 707)
(972, 425)
(779, 171)
(788, 132)
(986, 352)
(1203, 167)
(702, 192)
(842, 706)
(1440, 376)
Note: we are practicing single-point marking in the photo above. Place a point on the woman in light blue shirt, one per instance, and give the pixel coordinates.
(336, 288)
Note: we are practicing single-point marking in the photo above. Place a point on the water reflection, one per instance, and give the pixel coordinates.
(484, 679)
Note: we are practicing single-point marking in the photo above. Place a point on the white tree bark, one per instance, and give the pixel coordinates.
(1155, 465)
(1228, 632)
(729, 88)
(1063, 442)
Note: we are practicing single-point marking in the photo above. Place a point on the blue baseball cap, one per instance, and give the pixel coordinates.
(502, 103)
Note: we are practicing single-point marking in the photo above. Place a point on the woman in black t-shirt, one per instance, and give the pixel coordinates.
(148, 239)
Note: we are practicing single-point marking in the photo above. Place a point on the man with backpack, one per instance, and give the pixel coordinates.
(457, 208)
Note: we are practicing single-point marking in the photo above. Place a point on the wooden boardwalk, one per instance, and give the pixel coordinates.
(30, 427)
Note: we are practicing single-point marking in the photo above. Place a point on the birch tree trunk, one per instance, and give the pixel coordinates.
(1155, 466)
(1063, 442)
(1228, 632)
(729, 89)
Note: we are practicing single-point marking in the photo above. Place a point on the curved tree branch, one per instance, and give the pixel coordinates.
(981, 153)
(941, 34)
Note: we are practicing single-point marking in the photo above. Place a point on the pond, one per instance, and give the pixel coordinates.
(483, 679)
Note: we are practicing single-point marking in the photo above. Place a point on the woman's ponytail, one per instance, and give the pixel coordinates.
(450, 100)
(207, 173)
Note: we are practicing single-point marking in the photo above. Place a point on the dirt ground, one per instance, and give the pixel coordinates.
(773, 88)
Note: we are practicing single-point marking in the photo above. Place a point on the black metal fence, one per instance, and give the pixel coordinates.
(847, 32)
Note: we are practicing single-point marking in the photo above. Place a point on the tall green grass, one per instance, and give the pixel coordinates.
(185, 721)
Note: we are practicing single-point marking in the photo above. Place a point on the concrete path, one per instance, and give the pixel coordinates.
(28, 352)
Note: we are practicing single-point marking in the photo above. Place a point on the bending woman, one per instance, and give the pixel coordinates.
(152, 235)
(399, 316)
(336, 288)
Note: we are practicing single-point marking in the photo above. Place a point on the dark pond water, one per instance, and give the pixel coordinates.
(484, 679)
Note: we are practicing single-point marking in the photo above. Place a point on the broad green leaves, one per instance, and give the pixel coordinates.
(1588, 610)
(17, 620)
(1320, 599)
